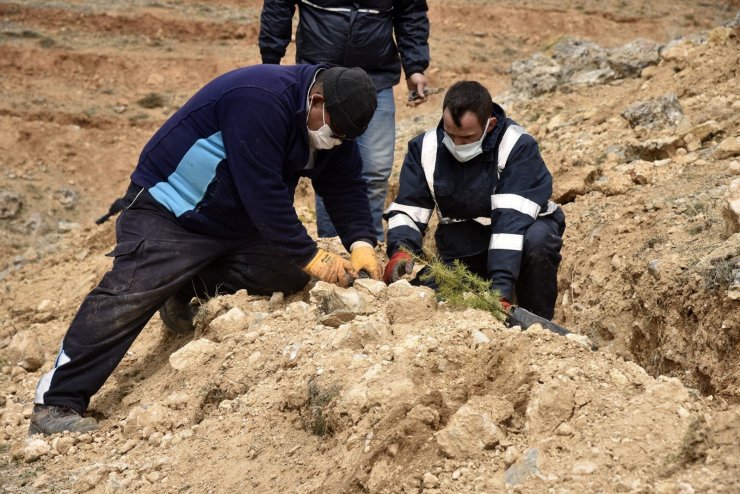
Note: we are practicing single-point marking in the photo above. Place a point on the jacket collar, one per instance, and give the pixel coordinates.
(309, 76)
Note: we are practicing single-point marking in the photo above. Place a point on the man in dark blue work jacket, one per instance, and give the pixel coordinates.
(210, 207)
(486, 179)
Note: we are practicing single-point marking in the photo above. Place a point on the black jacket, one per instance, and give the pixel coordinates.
(350, 34)
(481, 207)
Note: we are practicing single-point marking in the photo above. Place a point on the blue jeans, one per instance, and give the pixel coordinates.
(376, 149)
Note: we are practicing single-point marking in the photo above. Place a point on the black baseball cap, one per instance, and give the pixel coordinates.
(350, 98)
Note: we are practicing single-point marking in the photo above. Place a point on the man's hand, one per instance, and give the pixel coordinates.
(399, 264)
(505, 304)
(417, 84)
(331, 268)
(364, 259)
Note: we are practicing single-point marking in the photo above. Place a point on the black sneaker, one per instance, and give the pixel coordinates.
(50, 419)
(177, 316)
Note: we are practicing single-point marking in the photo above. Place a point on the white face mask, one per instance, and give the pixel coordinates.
(322, 138)
(465, 152)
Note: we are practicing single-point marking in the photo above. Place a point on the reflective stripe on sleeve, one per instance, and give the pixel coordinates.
(551, 208)
(429, 159)
(340, 9)
(420, 215)
(506, 241)
(402, 220)
(511, 135)
(515, 202)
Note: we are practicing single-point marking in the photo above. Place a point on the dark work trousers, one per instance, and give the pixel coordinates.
(154, 259)
(537, 286)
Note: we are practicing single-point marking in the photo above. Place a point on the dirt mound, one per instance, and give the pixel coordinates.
(367, 389)
(653, 265)
(394, 394)
(375, 388)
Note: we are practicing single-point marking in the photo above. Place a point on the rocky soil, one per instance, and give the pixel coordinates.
(384, 389)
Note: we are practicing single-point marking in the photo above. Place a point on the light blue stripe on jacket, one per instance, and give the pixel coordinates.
(187, 185)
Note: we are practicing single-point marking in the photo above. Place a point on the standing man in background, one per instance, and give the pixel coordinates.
(380, 36)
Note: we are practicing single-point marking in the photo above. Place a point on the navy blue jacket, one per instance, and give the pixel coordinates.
(479, 211)
(348, 33)
(228, 161)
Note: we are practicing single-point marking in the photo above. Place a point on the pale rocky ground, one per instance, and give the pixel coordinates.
(383, 389)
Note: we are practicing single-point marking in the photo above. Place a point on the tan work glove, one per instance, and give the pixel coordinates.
(331, 268)
(364, 259)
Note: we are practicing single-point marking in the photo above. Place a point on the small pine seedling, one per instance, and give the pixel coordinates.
(461, 288)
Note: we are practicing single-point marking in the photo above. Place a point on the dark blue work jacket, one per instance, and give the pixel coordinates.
(228, 161)
(485, 204)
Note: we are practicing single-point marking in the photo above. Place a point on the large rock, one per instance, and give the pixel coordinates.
(576, 61)
(630, 59)
(676, 51)
(474, 427)
(359, 334)
(26, 351)
(728, 148)
(655, 113)
(329, 298)
(703, 131)
(233, 321)
(32, 449)
(378, 387)
(731, 209)
(572, 183)
(368, 287)
(538, 75)
(653, 149)
(550, 404)
(614, 183)
(581, 62)
(62, 444)
(410, 304)
(194, 354)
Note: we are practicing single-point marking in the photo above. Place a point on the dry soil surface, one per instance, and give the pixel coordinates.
(375, 388)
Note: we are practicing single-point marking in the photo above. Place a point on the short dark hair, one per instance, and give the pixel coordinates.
(468, 96)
